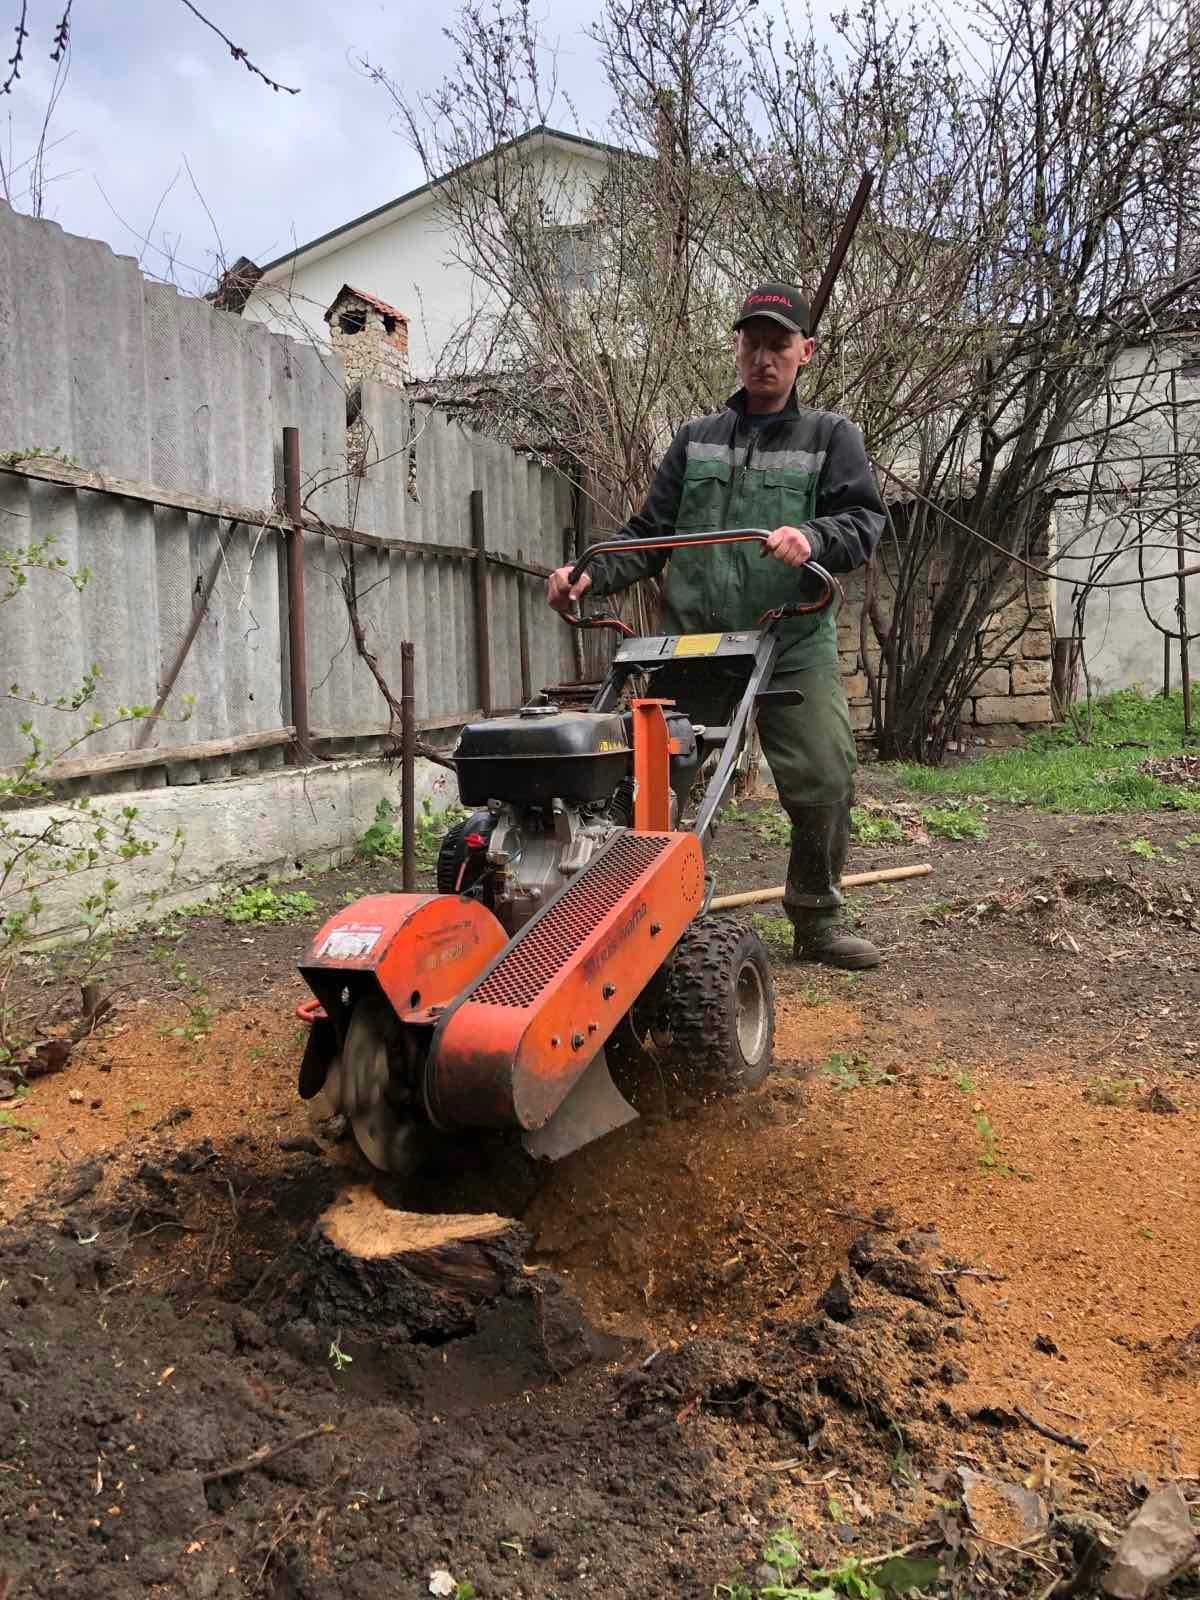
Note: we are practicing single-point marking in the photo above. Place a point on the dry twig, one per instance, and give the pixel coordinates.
(1047, 1432)
(265, 1453)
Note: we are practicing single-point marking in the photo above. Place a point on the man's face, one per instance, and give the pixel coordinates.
(768, 357)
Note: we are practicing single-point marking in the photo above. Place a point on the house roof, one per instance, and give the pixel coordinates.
(372, 300)
(381, 215)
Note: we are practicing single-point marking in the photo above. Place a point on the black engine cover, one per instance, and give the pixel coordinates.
(542, 755)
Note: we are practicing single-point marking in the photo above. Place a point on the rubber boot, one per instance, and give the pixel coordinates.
(820, 843)
(819, 938)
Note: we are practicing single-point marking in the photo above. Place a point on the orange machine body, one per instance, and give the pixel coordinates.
(508, 1052)
(422, 950)
(512, 1024)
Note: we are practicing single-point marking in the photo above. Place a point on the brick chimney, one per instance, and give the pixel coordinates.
(370, 336)
(372, 339)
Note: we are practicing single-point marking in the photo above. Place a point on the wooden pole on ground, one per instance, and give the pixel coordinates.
(852, 880)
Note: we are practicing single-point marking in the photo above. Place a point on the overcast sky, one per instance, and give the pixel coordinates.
(149, 86)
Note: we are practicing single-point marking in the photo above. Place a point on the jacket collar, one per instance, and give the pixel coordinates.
(737, 402)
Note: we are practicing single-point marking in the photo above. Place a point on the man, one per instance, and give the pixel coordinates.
(766, 462)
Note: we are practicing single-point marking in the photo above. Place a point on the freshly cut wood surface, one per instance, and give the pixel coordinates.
(362, 1225)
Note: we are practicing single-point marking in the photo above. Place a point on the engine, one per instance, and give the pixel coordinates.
(554, 786)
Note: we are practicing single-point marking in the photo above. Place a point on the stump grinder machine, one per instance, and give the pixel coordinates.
(570, 920)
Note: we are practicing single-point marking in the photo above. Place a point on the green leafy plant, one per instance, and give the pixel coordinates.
(811, 994)
(964, 1083)
(13, 1125)
(772, 826)
(384, 841)
(261, 903)
(199, 1016)
(954, 822)
(869, 827)
(854, 1579)
(851, 1070)
(990, 1156)
(775, 932)
(1188, 842)
(938, 910)
(337, 1355)
(1142, 848)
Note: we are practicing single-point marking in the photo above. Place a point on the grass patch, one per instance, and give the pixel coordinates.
(1087, 766)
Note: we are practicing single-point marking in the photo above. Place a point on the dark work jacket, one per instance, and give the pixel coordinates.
(807, 469)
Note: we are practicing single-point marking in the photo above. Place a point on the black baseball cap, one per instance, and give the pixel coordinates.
(781, 302)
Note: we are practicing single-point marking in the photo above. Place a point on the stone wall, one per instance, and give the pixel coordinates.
(1011, 694)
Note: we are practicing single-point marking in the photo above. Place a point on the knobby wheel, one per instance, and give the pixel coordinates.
(718, 1009)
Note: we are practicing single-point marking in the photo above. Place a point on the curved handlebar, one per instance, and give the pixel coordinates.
(831, 589)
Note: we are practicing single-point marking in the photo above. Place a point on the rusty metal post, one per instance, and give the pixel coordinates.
(572, 550)
(483, 604)
(1181, 602)
(408, 766)
(297, 633)
(523, 633)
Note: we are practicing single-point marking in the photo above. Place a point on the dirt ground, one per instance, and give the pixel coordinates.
(959, 1219)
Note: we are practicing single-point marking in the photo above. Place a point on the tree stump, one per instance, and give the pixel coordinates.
(405, 1274)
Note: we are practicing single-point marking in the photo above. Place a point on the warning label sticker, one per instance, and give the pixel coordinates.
(698, 644)
(350, 942)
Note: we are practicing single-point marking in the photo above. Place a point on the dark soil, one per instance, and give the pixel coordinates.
(775, 1325)
(137, 1412)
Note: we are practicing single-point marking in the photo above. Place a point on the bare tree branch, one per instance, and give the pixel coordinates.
(14, 61)
(237, 52)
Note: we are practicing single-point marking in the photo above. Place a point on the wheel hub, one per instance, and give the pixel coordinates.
(752, 1014)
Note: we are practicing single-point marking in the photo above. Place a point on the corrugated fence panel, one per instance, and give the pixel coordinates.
(135, 380)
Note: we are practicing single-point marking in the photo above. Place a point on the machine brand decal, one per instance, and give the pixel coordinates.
(350, 942)
(698, 644)
(606, 747)
(605, 952)
(441, 958)
(453, 930)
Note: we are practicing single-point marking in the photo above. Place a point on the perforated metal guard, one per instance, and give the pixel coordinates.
(547, 945)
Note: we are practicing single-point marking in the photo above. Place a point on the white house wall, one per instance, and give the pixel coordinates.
(1122, 647)
(410, 263)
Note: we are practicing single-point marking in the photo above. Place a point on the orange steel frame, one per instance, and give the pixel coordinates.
(501, 1063)
(653, 748)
